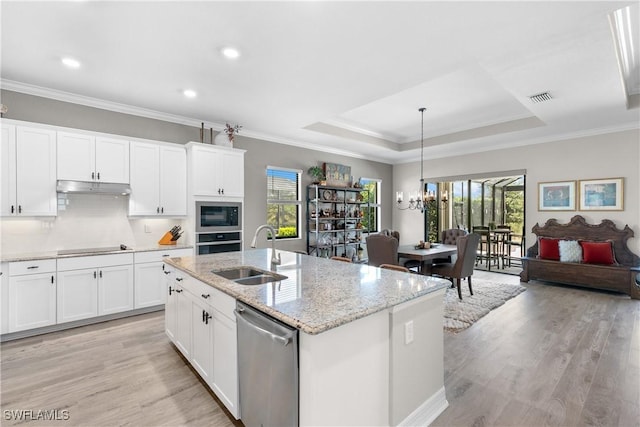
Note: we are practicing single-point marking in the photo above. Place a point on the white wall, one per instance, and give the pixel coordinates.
(601, 156)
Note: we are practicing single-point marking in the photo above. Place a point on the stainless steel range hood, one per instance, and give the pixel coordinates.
(93, 187)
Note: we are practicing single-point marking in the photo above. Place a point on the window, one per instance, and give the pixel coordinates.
(371, 218)
(283, 201)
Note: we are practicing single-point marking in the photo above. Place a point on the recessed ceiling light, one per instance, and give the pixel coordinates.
(190, 93)
(231, 52)
(70, 62)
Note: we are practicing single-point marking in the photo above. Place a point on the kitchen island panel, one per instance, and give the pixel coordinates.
(344, 374)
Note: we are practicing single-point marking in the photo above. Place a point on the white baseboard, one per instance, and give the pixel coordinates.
(426, 413)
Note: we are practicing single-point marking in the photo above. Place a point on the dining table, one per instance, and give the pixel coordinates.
(426, 256)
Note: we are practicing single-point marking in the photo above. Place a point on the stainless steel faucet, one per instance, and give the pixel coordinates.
(275, 260)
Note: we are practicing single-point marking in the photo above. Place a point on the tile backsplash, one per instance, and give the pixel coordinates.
(83, 221)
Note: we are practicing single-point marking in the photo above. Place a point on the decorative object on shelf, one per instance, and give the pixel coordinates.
(317, 173)
(601, 194)
(337, 175)
(171, 236)
(557, 196)
(226, 139)
(3, 110)
(417, 201)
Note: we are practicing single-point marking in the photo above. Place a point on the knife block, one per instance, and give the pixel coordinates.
(166, 239)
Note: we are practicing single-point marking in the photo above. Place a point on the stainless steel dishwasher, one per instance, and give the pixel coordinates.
(267, 369)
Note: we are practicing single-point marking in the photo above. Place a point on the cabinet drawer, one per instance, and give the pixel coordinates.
(77, 263)
(208, 294)
(31, 267)
(156, 256)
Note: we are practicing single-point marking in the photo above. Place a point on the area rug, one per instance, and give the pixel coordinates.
(487, 295)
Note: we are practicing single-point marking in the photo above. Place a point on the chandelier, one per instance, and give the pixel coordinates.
(418, 201)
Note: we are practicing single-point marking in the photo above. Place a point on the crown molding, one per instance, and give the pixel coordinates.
(104, 105)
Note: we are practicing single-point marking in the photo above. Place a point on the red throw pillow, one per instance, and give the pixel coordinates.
(597, 253)
(548, 248)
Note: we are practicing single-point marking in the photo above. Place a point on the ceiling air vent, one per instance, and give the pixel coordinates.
(541, 97)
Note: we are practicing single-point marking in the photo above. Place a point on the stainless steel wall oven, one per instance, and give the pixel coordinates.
(218, 227)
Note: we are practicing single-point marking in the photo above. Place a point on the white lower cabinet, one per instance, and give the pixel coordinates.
(150, 272)
(199, 320)
(77, 294)
(202, 347)
(94, 286)
(32, 294)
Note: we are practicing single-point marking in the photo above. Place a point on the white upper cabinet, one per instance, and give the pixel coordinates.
(215, 171)
(89, 158)
(8, 171)
(28, 172)
(173, 180)
(158, 180)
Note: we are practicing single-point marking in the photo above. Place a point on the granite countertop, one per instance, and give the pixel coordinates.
(319, 294)
(33, 256)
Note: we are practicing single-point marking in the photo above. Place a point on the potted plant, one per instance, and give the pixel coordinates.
(317, 173)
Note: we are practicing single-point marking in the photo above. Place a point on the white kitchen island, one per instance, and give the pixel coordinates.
(370, 340)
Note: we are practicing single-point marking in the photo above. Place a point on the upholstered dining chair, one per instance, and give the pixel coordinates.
(463, 266)
(449, 237)
(395, 267)
(382, 249)
(341, 258)
(411, 264)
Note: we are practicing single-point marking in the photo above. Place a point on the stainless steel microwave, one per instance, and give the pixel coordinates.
(218, 216)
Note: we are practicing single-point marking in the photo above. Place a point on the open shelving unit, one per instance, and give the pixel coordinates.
(335, 222)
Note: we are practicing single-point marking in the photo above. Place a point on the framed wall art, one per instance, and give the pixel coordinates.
(601, 194)
(337, 175)
(557, 196)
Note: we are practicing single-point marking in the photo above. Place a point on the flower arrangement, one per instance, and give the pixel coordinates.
(232, 130)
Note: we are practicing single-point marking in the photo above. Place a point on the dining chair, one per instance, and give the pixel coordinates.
(411, 264)
(518, 241)
(395, 267)
(341, 258)
(449, 237)
(463, 266)
(382, 249)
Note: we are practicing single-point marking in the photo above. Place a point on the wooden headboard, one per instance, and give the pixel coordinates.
(578, 228)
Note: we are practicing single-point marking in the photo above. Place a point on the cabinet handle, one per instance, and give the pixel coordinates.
(158, 209)
(101, 274)
(13, 209)
(93, 175)
(205, 296)
(223, 191)
(19, 208)
(52, 279)
(205, 317)
(219, 191)
(94, 275)
(178, 291)
(98, 176)
(31, 267)
(166, 272)
(171, 290)
(162, 209)
(202, 316)
(179, 279)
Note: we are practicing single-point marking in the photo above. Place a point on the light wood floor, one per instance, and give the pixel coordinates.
(550, 356)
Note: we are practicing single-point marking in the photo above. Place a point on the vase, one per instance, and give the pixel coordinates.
(223, 140)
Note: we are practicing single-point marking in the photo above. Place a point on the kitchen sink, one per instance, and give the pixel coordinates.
(249, 275)
(238, 273)
(261, 279)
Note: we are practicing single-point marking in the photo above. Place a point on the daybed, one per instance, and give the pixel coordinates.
(621, 275)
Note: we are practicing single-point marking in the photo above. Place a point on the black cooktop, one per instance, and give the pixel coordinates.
(92, 250)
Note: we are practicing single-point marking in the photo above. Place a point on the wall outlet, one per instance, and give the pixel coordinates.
(147, 228)
(408, 332)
